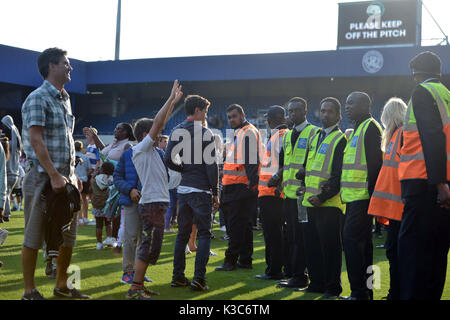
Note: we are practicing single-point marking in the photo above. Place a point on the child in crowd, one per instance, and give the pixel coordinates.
(92, 152)
(100, 187)
(16, 196)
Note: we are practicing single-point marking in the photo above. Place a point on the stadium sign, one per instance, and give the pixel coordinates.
(379, 23)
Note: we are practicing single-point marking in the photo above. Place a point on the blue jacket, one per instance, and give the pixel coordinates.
(126, 177)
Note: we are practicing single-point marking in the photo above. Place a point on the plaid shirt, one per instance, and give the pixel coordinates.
(47, 108)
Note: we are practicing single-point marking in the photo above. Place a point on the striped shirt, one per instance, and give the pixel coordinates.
(93, 154)
(48, 108)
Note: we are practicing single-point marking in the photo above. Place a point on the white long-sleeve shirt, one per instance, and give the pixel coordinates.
(151, 171)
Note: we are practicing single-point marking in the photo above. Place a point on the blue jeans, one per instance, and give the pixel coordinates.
(172, 211)
(195, 205)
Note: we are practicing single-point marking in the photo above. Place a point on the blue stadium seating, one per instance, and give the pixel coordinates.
(106, 124)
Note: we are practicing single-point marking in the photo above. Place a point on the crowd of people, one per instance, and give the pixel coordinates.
(317, 189)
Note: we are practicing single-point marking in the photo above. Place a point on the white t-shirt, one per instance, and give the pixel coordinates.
(151, 171)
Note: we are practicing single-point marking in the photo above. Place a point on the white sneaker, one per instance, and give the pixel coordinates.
(116, 243)
(108, 241)
(3, 235)
(212, 253)
(99, 246)
(223, 228)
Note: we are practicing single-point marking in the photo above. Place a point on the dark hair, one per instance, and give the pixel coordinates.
(129, 129)
(142, 125)
(51, 55)
(78, 145)
(5, 130)
(107, 168)
(195, 101)
(364, 97)
(298, 100)
(237, 107)
(5, 144)
(334, 101)
(427, 63)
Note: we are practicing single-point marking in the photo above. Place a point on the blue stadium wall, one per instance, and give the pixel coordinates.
(18, 66)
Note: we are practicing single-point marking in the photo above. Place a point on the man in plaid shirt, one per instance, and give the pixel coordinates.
(47, 138)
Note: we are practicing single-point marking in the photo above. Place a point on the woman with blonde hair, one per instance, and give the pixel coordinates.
(386, 202)
(392, 118)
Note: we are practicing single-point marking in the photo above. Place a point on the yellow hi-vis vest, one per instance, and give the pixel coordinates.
(354, 182)
(294, 158)
(318, 168)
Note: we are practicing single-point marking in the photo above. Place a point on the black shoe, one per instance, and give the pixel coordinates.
(354, 298)
(33, 295)
(268, 277)
(244, 266)
(309, 289)
(199, 285)
(6, 219)
(328, 295)
(181, 282)
(292, 283)
(69, 293)
(226, 267)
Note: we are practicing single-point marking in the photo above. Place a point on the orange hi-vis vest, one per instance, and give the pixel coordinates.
(270, 164)
(233, 167)
(386, 199)
(412, 159)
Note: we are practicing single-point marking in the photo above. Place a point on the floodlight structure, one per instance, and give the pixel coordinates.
(443, 40)
(116, 55)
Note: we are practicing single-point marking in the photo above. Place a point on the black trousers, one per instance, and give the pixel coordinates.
(358, 248)
(392, 253)
(239, 228)
(255, 214)
(324, 256)
(272, 218)
(423, 245)
(295, 241)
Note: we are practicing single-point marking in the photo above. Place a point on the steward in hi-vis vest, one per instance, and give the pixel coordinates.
(240, 189)
(386, 199)
(361, 164)
(424, 172)
(270, 201)
(386, 202)
(323, 242)
(292, 158)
